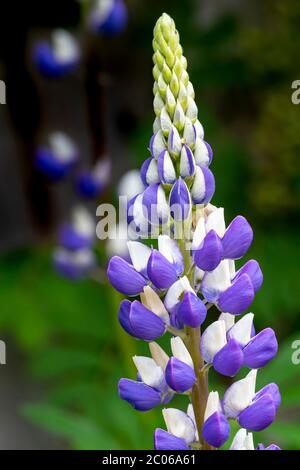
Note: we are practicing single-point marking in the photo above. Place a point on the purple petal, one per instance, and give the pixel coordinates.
(273, 390)
(237, 238)
(238, 297)
(160, 271)
(113, 22)
(139, 395)
(163, 440)
(209, 254)
(145, 324)
(179, 375)
(71, 239)
(216, 430)
(260, 349)
(253, 270)
(88, 186)
(124, 278)
(210, 152)
(270, 447)
(229, 359)
(191, 310)
(259, 415)
(124, 311)
(180, 200)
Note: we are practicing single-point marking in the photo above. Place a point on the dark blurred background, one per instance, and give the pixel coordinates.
(65, 350)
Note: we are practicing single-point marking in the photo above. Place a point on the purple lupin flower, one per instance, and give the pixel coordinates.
(188, 268)
(58, 157)
(58, 57)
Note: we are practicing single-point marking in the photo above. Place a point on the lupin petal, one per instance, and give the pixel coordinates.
(155, 206)
(204, 185)
(164, 440)
(139, 395)
(259, 415)
(124, 277)
(216, 430)
(203, 153)
(237, 238)
(191, 310)
(229, 359)
(261, 349)
(187, 162)
(149, 172)
(180, 201)
(209, 254)
(166, 168)
(252, 269)
(157, 144)
(145, 324)
(238, 297)
(179, 376)
(160, 271)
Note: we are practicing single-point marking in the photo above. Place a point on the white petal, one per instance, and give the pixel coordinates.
(151, 374)
(180, 351)
(169, 173)
(179, 424)
(83, 222)
(198, 189)
(65, 46)
(213, 339)
(63, 147)
(163, 208)
(241, 331)
(175, 291)
(152, 175)
(199, 233)
(192, 110)
(228, 319)
(212, 405)
(165, 121)
(174, 141)
(242, 441)
(199, 129)
(158, 144)
(215, 221)
(152, 301)
(139, 254)
(191, 414)
(159, 355)
(239, 395)
(216, 281)
(249, 444)
(102, 170)
(131, 184)
(189, 133)
(170, 249)
(201, 153)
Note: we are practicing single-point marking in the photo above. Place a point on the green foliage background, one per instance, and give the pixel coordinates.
(242, 66)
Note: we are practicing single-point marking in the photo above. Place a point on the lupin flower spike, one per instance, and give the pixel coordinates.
(173, 285)
(56, 159)
(59, 57)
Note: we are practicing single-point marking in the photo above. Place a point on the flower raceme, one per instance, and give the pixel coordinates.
(189, 268)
